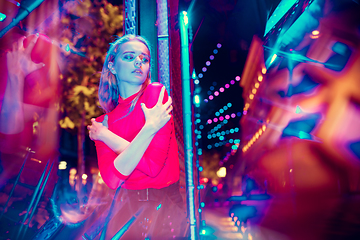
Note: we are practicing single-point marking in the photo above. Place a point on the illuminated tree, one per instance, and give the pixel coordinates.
(88, 26)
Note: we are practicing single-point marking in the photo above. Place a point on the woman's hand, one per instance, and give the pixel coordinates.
(96, 129)
(159, 115)
(19, 59)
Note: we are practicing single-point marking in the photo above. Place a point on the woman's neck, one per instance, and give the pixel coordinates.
(126, 90)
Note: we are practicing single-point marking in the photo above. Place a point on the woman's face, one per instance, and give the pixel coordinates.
(132, 64)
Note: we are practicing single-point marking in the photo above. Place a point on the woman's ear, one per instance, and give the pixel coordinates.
(111, 67)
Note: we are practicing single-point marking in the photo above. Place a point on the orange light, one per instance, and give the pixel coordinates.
(263, 70)
(315, 32)
(254, 91)
(260, 78)
(264, 128)
(257, 85)
(247, 105)
(251, 96)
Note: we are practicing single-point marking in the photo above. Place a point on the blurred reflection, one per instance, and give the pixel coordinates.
(307, 156)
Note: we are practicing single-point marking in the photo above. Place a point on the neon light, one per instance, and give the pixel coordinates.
(237, 78)
(211, 97)
(187, 115)
(197, 99)
(221, 89)
(208, 63)
(158, 207)
(273, 58)
(204, 69)
(200, 75)
(212, 57)
(2, 17)
(232, 82)
(227, 85)
(216, 93)
(218, 45)
(196, 81)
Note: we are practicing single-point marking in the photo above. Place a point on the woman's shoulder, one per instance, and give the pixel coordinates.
(154, 87)
(152, 92)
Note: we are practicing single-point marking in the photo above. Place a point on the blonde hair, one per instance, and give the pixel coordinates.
(108, 87)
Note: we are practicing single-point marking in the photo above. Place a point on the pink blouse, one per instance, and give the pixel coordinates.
(159, 166)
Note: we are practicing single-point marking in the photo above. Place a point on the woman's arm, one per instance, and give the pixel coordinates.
(100, 131)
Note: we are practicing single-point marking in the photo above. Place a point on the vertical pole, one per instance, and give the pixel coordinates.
(163, 44)
(185, 71)
(130, 17)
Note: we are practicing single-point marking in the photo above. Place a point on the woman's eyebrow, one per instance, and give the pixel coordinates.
(128, 52)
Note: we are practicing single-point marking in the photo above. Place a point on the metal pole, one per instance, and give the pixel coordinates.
(185, 71)
(26, 10)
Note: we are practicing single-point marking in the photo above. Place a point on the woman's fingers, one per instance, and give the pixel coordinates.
(161, 96)
(105, 121)
(31, 45)
(168, 111)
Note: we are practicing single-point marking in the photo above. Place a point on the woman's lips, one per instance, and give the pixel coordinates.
(138, 71)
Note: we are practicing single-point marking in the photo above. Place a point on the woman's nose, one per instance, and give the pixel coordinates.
(138, 61)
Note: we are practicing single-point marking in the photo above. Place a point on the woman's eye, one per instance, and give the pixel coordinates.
(145, 60)
(129, 57)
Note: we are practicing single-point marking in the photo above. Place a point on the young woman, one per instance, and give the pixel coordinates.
(135, 139)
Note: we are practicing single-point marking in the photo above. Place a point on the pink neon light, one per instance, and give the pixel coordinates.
(227, 116)
(216, 93)
(211, 57)
(215, 119)
(237, 78)
(222, 89)
(227, 85)
(209, 121)
(208, 63)
(233, 115)
(221, 118)
(204, 69)
(232, 82)
(211, 97)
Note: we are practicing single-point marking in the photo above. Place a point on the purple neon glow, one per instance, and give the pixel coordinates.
(221, 118)
(215, 119)
(232, 82)
(209, 121)
(233, 115)
(218, 45)
(222, 89)
(208, 63)
(216, 93)
(227, 85)
(211, 97)
(212, 57)
(237, 78)
(204, 69)
(227, 116)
